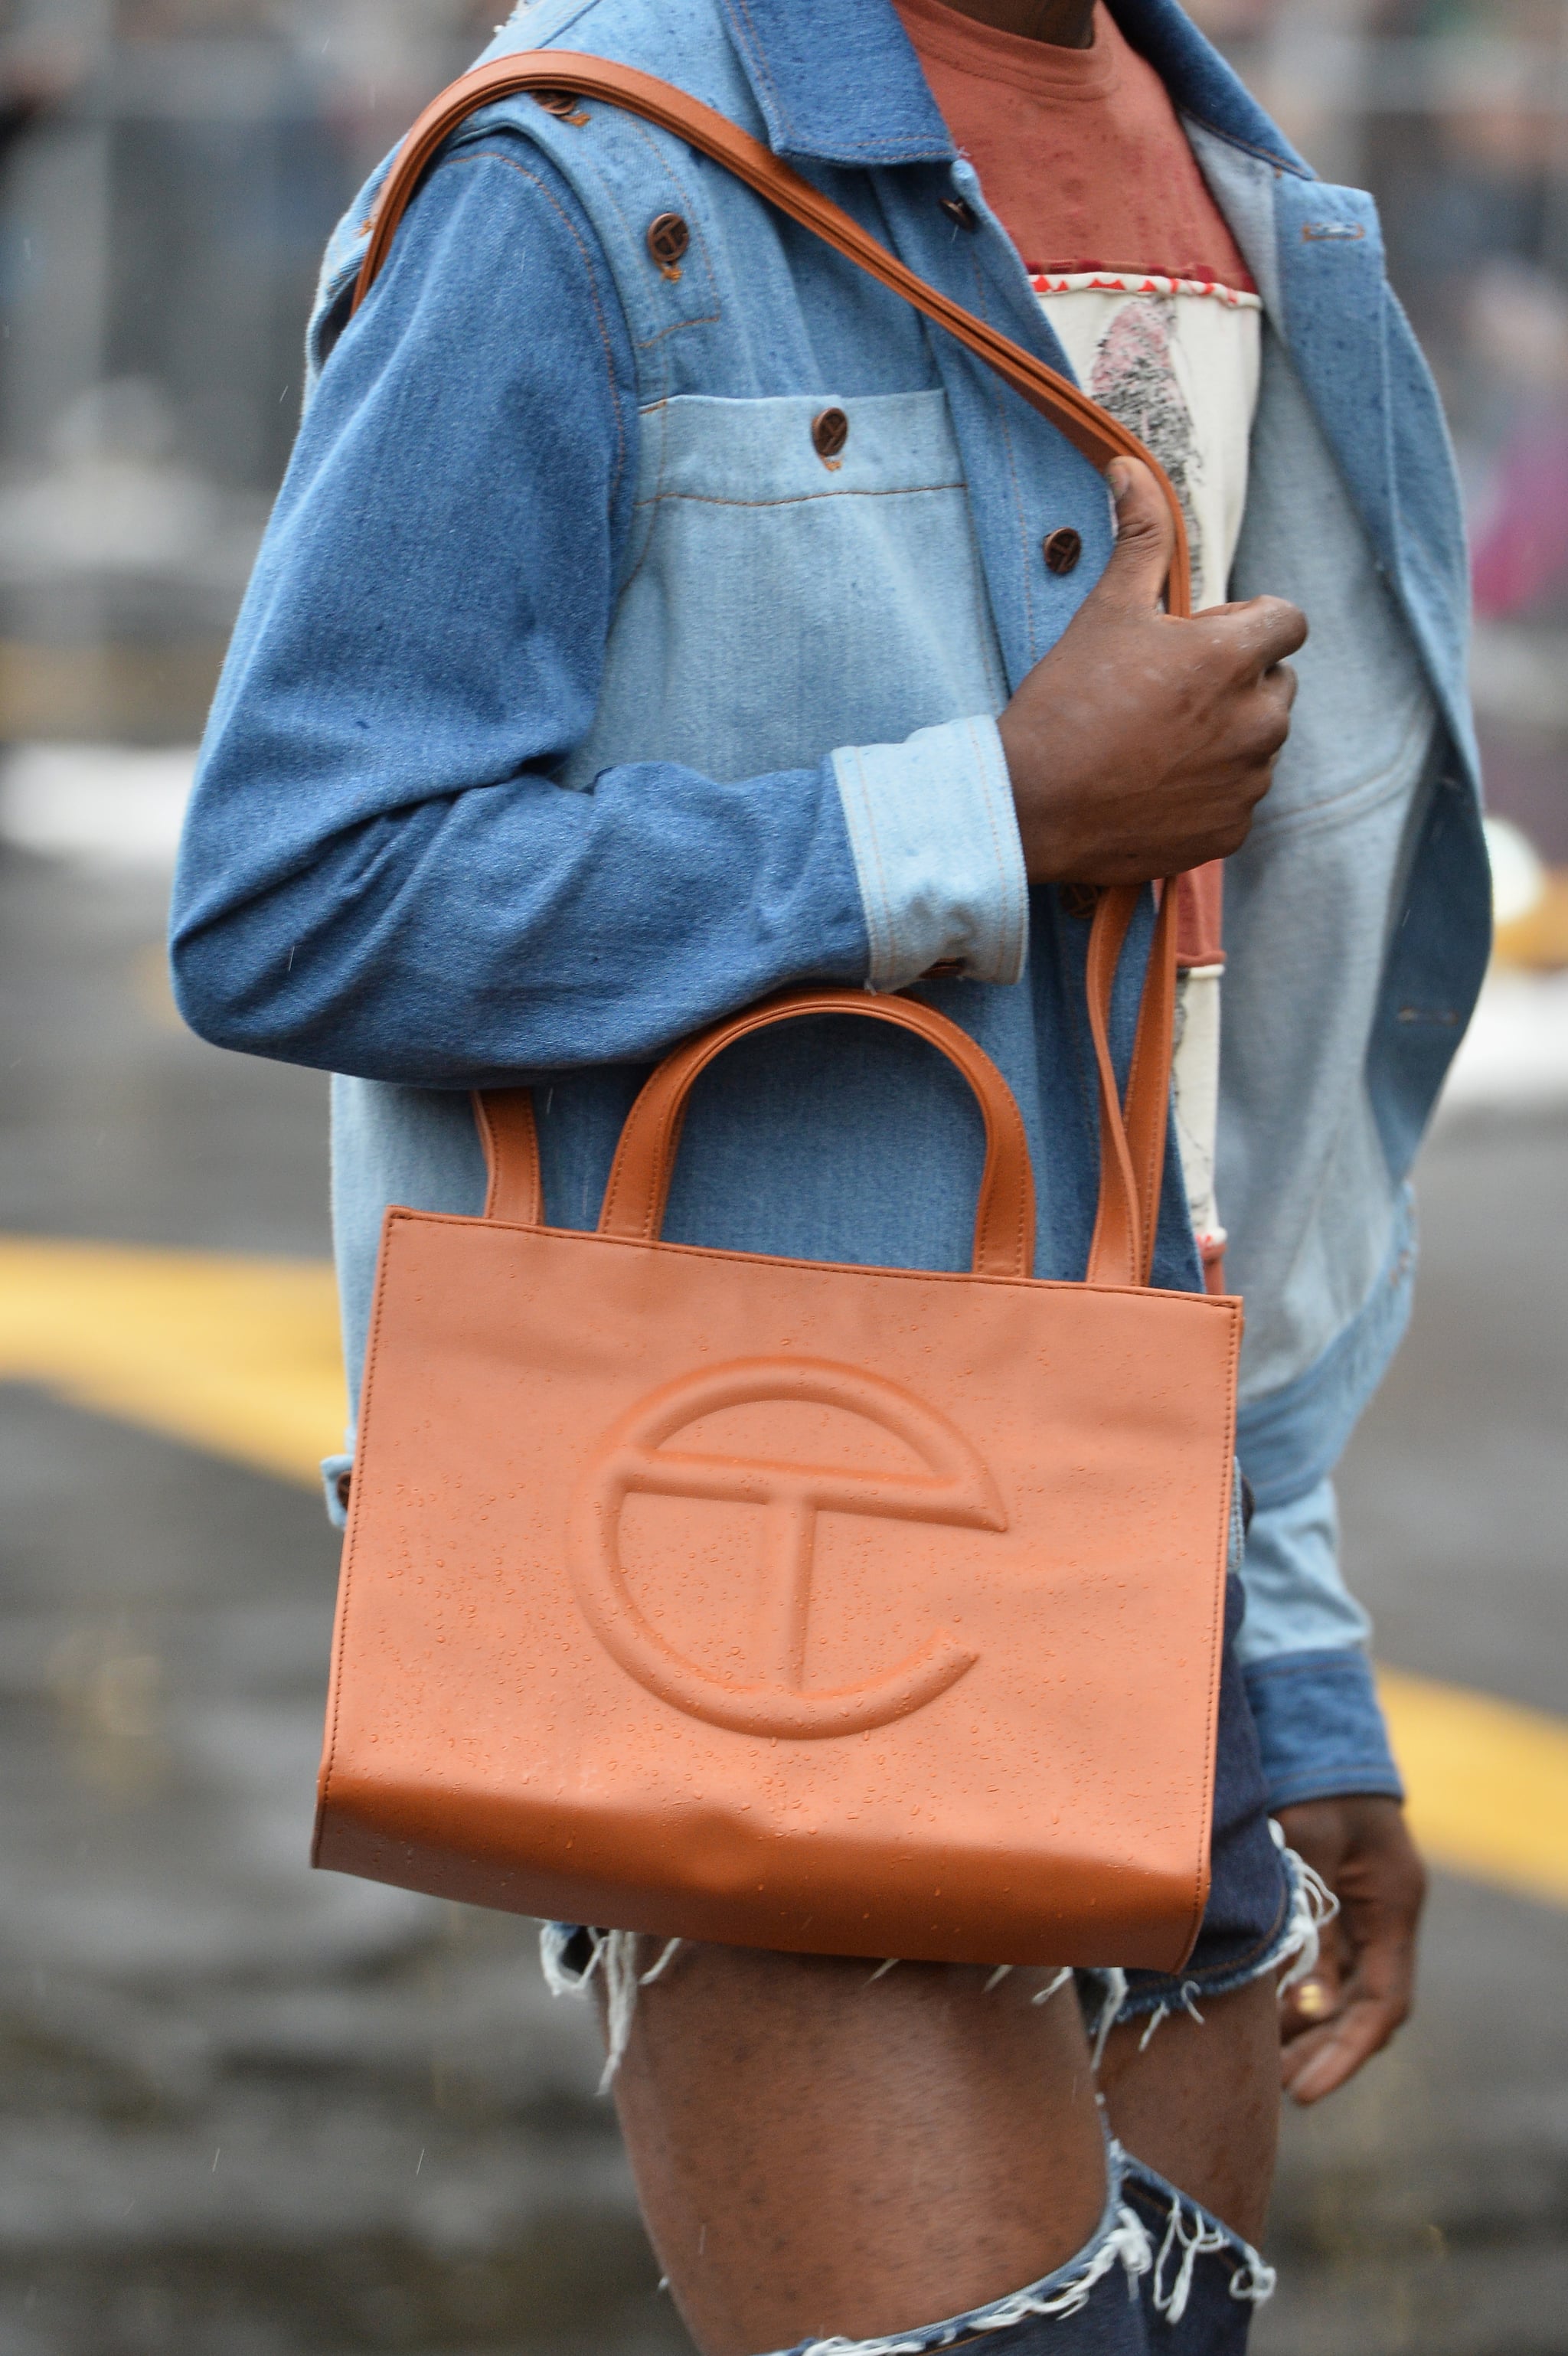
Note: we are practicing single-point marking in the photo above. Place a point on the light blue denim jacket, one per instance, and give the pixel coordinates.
(576, 701)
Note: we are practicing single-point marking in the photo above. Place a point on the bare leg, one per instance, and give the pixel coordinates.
(817, 2152)
(1201, 2103)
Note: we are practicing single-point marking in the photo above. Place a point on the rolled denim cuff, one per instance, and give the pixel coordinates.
(1320, 1727)
(937, 855)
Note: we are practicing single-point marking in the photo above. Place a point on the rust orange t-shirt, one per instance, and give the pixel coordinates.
(1080, 152)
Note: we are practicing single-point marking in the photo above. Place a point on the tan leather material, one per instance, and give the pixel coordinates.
(851, 1609)
(1149, 1074)
(1132, 1150)
(505, 1118)
(1090, 429)
(639, 1179)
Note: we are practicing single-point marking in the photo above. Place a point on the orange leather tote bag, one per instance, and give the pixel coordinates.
(785, 1603)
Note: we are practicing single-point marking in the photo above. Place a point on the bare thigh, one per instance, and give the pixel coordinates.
(820, 2152)
(1200, 2102)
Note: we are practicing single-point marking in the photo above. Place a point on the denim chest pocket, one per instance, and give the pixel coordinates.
(802, 573)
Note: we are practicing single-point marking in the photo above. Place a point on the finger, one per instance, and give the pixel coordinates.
(1282, 679)
(1319, 1998)
(1261, 633)
(1312, 2004)
(1377, 1999)
(1146, 539)
(1320, 2063)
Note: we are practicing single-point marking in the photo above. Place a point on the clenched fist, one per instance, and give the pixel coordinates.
(1141, 746)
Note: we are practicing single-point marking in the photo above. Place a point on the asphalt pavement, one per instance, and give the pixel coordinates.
(246, 2110)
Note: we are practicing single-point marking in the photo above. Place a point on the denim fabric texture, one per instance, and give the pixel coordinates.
(1250, 1889)
(575, 702)
(1319, 1727)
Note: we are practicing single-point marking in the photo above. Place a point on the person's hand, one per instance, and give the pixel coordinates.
(1141, 746)
(1363, 1984)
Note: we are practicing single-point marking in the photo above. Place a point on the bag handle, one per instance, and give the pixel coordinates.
(1092, 430)
(640, 1176)
(1132, 1145)
(1132, 1148)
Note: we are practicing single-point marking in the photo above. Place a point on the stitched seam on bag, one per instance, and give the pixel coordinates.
(362, 1443)
(452, 161)
(1167, 1294)
(1157, 1141)
(1259, 1946)
(1227, 1472)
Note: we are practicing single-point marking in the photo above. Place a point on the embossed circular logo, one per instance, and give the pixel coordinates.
(769, 1695)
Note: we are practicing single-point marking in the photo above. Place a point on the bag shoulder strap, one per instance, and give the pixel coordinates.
(551, 72)
(1132, 1143)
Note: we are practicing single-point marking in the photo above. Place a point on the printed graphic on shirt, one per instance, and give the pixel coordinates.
(1135, 378)
(1175, 360)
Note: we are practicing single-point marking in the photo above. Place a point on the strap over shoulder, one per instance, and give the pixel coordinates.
(559, 73)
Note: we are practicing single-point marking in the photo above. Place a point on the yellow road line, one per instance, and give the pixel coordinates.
(1487, 1782)
(239, 1356)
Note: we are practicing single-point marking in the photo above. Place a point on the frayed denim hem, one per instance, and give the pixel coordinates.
(573, 1957)
(1293, 1954)
(1189, 2235)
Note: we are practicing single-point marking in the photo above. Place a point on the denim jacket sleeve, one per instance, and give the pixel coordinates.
(1302, 1648)
(380, 874)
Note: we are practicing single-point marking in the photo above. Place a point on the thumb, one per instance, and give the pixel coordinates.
(1146, 536)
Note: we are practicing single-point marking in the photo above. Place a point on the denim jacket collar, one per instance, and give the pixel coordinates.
(841, 84)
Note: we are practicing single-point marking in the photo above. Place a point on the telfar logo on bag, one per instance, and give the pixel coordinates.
(636, 1458)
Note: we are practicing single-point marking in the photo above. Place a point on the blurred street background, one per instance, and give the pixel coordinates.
(247, 2111)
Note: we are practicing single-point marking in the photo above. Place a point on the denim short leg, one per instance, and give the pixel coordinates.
(1205, 2284)
(1262, 1910)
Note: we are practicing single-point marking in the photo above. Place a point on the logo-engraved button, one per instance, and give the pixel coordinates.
(829, 432)
(668, 238)
(560, 103)
(1063, 548)
(770, 1696)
